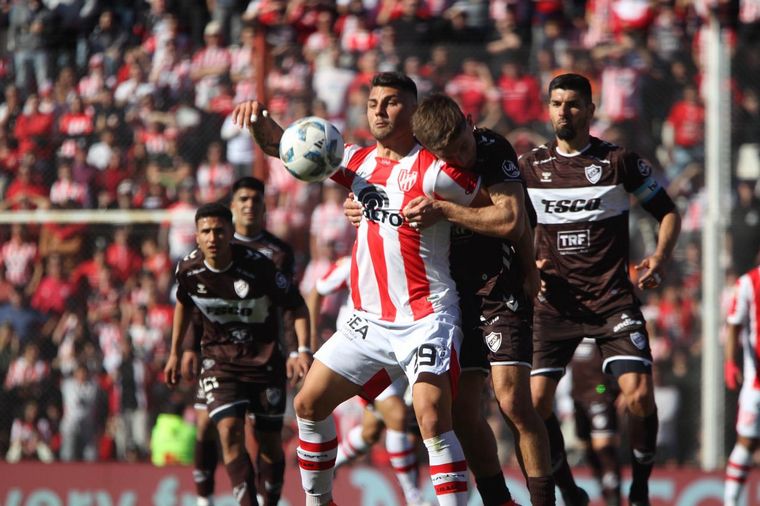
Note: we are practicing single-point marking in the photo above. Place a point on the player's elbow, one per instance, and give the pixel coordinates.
(512, 227)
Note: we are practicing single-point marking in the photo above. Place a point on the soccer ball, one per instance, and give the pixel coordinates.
(311, 149)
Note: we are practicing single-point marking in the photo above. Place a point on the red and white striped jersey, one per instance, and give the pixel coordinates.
(336, 281)
(400, 274)
(745, 311)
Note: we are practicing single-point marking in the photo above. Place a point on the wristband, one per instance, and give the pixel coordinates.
(305, 349)
(293, 354)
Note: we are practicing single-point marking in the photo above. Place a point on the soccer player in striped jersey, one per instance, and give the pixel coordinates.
(743, 331)
(406, 312)
(580, 187)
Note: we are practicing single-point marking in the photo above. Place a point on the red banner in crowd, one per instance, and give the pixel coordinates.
(116, 484)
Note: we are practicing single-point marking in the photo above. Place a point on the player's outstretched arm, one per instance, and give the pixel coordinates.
(180, 324)
(264, 130)
(298, 363)
(653, 266)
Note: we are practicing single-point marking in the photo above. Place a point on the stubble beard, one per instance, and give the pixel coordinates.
(565, 133)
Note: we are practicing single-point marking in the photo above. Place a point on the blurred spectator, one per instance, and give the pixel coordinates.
(215, 176)
(25, 192)
(328, 224)
(65, 190)
(34, 130)
(108, 39)
(9, 348)
(210, 64)
(53, 290)
(30, 436)
(520, 94)
(178, 233)
(132, 417)
(745, 227)
(30, 26)
(410, 22)
(136, 86)
(100, 153)
(25, 323)
(27, 373)
(78, 425)
(240, 152)
(472, 88)
(18, 257)
(687, 121)
(123, 260)
(331, 81)
(10, 109)
(74, 126)
(747, 137)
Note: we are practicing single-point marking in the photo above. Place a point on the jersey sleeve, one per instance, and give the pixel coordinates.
(499, 162)
(283, 291)
(639, 180)
(336, 278)
(182, 294)
(738, 312)
(344, 176)
(444, 182)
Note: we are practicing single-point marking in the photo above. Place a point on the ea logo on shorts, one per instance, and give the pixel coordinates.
(639, 340)
(493, 341)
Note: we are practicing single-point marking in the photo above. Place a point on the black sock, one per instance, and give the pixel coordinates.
(541, 490)
(241, 474)
(563, 477)
(643, 434)
(205, 460)
(269, 478)
(493, 490)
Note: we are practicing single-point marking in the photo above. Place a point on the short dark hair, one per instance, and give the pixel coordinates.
(249, 182)
(395, 80)
(574, 82)
(214, 210)
(437, 120)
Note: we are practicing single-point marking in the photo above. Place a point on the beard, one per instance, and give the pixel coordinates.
(381, 133)
(565, 132)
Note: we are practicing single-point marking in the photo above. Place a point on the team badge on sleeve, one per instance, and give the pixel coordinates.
(593, 173)
(510, 169)
(644, 168)
(241, 288)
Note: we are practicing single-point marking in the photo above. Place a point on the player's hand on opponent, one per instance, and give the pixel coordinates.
(541, 265)
(297, 366)
(172, 370)
(732, 373)
(421, 212)
(253, 116)
(353, 210)
(652, 272)
(190, 365)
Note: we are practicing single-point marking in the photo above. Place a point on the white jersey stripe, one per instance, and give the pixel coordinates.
(557, 206)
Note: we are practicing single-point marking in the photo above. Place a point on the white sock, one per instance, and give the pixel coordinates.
(317, 448)
(448, 469)
(204, 501)
(351, 447)
(737, 469)
(404, 463)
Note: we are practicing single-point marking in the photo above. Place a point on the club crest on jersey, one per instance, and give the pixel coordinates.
(594, 173)
(493, 341)
(406, 180)
(510, 169)
(644, 168)
(241, 288)
(639, 340)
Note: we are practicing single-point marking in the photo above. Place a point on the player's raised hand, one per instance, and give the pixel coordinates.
(190, 365)
(650, 270)
(254, 116)
(353, 210)
(172, 371)
(732, 373)
(421, 212)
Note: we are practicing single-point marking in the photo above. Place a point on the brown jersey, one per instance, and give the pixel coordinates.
(582, 205)
(238, 307)
(481, 263)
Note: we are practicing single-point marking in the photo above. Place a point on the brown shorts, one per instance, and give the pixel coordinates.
(497, 331)
(226, 394)
(595, 418)
(621, 337)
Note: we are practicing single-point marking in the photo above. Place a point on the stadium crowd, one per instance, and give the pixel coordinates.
(126, 105)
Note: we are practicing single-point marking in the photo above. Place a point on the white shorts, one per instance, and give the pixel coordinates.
(395, 389)
(748, 418)
(373, 353)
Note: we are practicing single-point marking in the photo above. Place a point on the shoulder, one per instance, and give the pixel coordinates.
(190, 264)
(277, 242)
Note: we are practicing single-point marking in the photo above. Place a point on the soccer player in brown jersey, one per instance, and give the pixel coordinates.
(496, 312)
(594, 394)
(580, 188)
(237, 291)
(247, 206)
